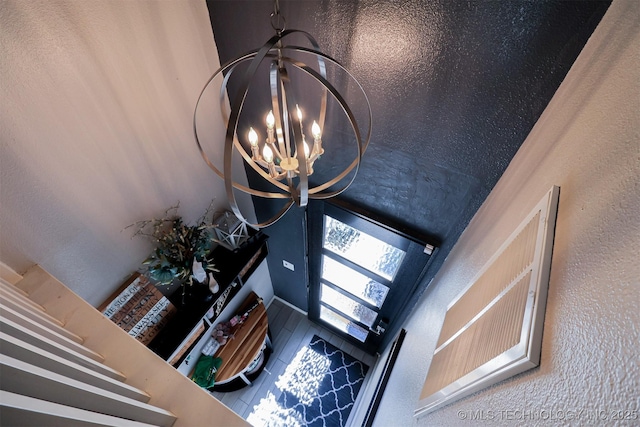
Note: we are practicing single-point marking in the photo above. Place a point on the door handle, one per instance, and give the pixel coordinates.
(381, 327)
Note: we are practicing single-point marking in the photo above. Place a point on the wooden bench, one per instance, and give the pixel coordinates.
(249, 339)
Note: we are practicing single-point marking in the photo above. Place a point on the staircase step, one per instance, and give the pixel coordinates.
(18, 377)
(11, 292)
(51, 331)
(33, 355)
(19, 313)
(26, 411)
(15, 330)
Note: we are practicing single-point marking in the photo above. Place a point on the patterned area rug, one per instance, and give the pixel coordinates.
(336, 378)
(318, 389)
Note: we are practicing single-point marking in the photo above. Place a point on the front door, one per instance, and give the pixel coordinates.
(361, 273)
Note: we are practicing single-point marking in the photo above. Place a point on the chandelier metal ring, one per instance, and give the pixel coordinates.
(280, 84)
(229, 67)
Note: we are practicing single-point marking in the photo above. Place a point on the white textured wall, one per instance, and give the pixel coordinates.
(96, 105)
(588, 143)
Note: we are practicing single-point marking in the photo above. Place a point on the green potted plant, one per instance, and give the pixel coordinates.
(182, 251)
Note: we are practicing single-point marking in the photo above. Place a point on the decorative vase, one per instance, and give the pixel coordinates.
(213, 284)
(197, 271)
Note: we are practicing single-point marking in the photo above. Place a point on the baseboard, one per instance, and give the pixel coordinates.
(288, 304)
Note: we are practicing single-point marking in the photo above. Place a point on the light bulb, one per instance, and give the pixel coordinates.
(253, 137)
(315, 130)
(270, 120)
(299, 112)
(306, 149)
(267, 154)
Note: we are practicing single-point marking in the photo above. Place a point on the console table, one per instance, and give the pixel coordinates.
(199, 311)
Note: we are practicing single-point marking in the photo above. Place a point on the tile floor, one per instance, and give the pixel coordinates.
(290, 331)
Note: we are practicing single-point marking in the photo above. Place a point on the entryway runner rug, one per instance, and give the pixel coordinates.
(321, 385)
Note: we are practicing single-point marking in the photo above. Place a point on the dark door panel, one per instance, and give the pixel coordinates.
(361, 272)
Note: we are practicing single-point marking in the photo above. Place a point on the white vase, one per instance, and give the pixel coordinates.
(197, 271)
(213, 285)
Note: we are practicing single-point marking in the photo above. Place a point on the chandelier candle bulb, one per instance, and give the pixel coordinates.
(270, 120)
(307, 154)
(317, 138)
(267, 154)
(306, 149)
(253, 137)
(253, 140)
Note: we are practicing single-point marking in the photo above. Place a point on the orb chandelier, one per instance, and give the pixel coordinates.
(284, 158)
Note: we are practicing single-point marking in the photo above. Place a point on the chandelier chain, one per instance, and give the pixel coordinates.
(278, 23)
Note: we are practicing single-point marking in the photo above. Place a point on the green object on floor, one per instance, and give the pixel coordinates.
(205, 373)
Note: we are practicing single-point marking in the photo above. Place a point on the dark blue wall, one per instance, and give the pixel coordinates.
(455, 88)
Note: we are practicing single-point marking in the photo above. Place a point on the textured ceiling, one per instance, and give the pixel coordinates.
(455, 88)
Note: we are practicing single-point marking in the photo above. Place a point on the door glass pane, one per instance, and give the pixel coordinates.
(362, 249)
(346, 305)
(343, 324)
(353, 282)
